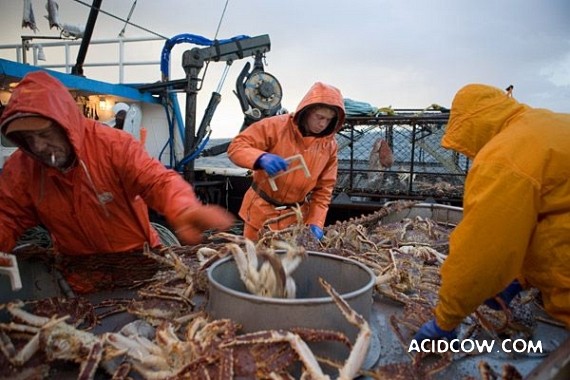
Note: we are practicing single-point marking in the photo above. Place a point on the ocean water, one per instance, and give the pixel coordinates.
(219, 161)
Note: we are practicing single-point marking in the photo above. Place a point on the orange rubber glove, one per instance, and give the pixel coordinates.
(191, 223)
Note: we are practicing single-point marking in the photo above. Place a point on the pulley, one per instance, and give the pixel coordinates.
(263, 92)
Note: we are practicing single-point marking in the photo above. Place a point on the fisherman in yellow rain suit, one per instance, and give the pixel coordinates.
(516, 219)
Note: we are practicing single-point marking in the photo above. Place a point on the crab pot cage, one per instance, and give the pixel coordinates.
(415, 167)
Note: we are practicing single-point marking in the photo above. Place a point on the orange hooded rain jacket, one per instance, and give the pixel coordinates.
(100, 204)
(516, 219)
(281, 135)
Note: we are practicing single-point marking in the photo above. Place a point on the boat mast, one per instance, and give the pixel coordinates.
(78, 68)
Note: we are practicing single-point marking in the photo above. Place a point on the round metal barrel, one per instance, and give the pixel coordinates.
(442, 214)
(312, 308)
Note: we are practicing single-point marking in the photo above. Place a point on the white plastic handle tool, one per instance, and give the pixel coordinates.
(9, 267)
(290, 160)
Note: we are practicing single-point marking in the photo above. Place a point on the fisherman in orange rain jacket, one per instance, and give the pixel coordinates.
(88, 184)
(265, 145)
(515, 230)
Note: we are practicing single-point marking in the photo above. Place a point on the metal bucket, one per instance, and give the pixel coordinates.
(442, 214)
(312, 308)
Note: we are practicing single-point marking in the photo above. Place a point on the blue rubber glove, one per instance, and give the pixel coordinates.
(271, 163)
(431, 331)
(317, 231)
(506, 295)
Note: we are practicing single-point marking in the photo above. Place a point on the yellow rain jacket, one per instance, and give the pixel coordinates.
(516, 219)
(281, 135)
(100, 204)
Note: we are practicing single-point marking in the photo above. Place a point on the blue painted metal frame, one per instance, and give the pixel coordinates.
(84, 85)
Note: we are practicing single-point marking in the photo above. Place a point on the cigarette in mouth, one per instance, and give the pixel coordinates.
(53, 159)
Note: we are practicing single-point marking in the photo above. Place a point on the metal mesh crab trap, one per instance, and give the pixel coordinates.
(399, 155)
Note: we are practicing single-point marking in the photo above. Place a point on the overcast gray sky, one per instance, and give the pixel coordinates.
(399, 53)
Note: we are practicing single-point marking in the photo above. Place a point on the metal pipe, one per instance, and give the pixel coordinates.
(78, 68)
(193, 62)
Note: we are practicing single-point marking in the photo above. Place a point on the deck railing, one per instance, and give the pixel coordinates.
(59, 50)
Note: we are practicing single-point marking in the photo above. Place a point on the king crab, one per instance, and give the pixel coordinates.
(207, 349)
(263, 271)
(55, 338)
(405, 325)
(213, 349)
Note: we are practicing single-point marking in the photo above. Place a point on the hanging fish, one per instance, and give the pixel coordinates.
(386, 155)
(70, 30)
(53, 14)
(380, 159)
(28, 20)
(381, 156)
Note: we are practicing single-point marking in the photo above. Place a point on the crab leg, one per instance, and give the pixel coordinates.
(247, 271)
(274, 272)
(275, 336)
(360, 347)
(89, 366)
(15, 309)
(6, 345)
(27, 351)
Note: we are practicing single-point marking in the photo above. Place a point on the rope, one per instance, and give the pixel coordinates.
(37, 236)
(122, 33)
(120, 19)
(221, 18)
(40, 237)
(166, 236)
